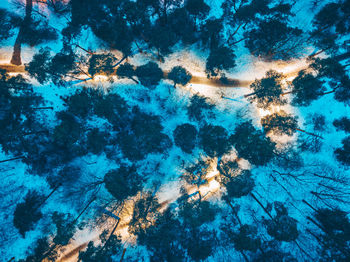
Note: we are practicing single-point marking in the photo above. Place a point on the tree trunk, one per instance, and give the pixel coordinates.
(244, 256)
(86, 207)
(121, 60)
(235, 213)
(133, 79)
(309, 205)
(115, 227)
(16, 55)
(51, 193)
(43, 107)
(267, 212)
(311, 134)
(82, 48)
(121, 259)
(11, 159)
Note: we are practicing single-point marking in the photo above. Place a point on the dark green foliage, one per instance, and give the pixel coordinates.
(282, 227)
(96, 141)
(44, 67)
(80, 104)
(183, 26)
(149, 74)
(197, 214)
(197, 8)
(197, 239)
(113, 108)
(179, 75)
(245, 239)
(101, 64)
(146, 210)
(197, 105)
(162, 38)
(240, 185)
(41, 249)
(343, 153)
(65, 177)
(335, 226)
(273, 39)
(126, 70)
(273, 252)
(38, 67)
(142, 135)
(17, 114)
(214, 140)
(252, 144)
(342, 124)
(61, 65)
(65, 228)
(38, 32)
(331, 24)
(167, 228)
(329, 70)
(103, 252)
(185, 137)
(123, 182)
(28, 212)
(6, 25)
(211, 34)
(268, 90)
(306, 88)
(199, 244)
(68, 132)
(280, 123)
(220, 58)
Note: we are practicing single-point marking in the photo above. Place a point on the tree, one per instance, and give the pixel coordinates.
(44, 67)
(268, 90)
(149, 74)
(28, 212)
(211, 35)
(31, 32)
(104, 253)
(185, 137)
(146, 210)
(197, 8)
(306, 88)
(343, 153)
(141, 135)
(96, 141)
(101, 64)
(196, 107)
(342, 124)
(220, 58)
(81, 103)
(252, 144)
(126, 70)
(214, 140)
(273, 252)
(280, 123)
(245, 239)
(332, 73)
(179, 75)
(65, 228)
(273, 39)
(123, 182)
(335, 237)
(240, 185)
(38, 67)
(330, 25)
(168, 228)
(6, 25)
